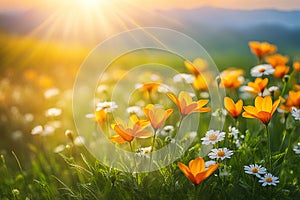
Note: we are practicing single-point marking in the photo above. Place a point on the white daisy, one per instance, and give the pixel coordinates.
(220, 112)
(108, 106)
(296, 113)
(53, 112)
(255, 169)
(212, 137)
(264, 69)
(167, 130)
(221, 153)
(233, 132)
(59, 148)
(51, 93)
(192, 134)
(273, 89)
(269, 179)
(79, 141)
(209, 163)
(296, 148)
(37, 130)
(163, 88)
(102, 89)
(179, 78)
(135, 110)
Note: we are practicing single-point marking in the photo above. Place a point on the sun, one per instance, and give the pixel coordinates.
(90, 3)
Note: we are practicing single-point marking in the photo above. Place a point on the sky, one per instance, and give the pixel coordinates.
(164, 4)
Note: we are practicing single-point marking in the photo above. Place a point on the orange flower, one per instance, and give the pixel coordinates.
(263, 110)
(234, 109)
(258, 86)
(232, 78)
(293, 99)
(100, 115)
(127, 132)
(296, 66)
(186, 104)
(148, 88)
(297, 87)
(196, 171)
(276, 60)
(281, 71)
(202, 81)
(262, 49)
(198, 65)
(157, 116)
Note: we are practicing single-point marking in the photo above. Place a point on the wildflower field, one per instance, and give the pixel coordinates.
(161, 144)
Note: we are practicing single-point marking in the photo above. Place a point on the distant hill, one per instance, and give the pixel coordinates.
(236, 18)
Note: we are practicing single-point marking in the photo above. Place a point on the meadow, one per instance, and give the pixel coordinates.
(254, 155)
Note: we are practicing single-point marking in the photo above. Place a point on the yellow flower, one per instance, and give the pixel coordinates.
(198, 66)
(234, 109)
(276, 60)
(258, 86)
(263, 110)
(186, 104)
(202, 81)
(100, 115)
(262, 49)
(148, 88)
(281, 71)
(232, 78)
(196, 171)
(127, 132)
(157, 116)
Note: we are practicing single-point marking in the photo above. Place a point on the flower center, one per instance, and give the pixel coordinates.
(221, 153)
(269, 179)
(255, 170)
(212, 137)
(262, 70)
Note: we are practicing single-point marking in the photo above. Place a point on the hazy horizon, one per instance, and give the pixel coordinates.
(287, 5)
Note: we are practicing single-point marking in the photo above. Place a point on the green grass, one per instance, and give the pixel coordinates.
(31, 169)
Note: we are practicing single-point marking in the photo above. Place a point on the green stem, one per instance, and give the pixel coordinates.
(152, 147)
(285, 84)
(136, 174)
(269, 148)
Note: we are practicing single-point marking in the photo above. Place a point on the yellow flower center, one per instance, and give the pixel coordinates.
(255, 170)
(221, 153)
(212, 137)
(269, 179)
(262, 70)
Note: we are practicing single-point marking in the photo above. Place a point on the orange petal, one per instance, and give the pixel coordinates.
(248, 115)
(229, 104)
(202, 102)
(185, 97)
(117, 139)
(251, 110)
(204, 109)
(189, 109)
(239, 106)
(275, 105)
(174, 99)
(169, 112)
(203, 175)
(123, 134)
(197, 165)
(267, 104)
(186, 171)
(264, 116)
(258, 103)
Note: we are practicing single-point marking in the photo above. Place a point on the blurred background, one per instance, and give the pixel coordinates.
(43, 43)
